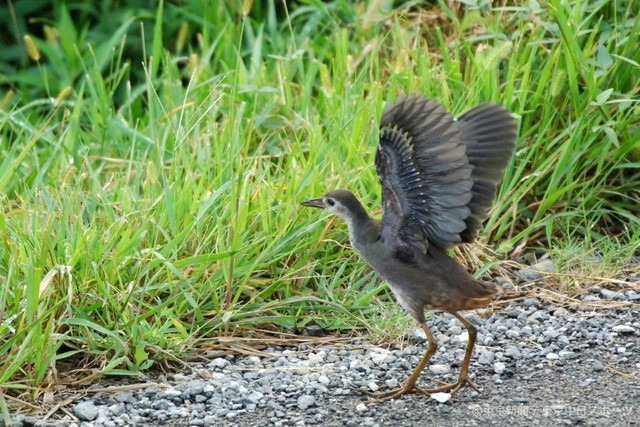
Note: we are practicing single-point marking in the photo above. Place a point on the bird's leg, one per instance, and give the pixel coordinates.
(462, 378)
(409, 385)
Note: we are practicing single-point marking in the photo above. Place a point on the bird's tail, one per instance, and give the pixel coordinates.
(479, 295)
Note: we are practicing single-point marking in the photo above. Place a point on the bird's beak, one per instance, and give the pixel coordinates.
(314, 203)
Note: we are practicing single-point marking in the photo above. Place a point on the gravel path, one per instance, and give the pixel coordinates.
(535, 364)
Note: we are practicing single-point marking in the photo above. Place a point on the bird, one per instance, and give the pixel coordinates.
(439, 177)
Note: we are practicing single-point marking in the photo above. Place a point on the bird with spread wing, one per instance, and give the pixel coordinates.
(438, 178)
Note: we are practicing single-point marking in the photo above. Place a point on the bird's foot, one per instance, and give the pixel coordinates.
(391, 394)
(453, 387)
(397, 392)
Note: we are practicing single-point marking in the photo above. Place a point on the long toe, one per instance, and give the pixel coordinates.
(377, 395)
(391, 394)
(454, 387)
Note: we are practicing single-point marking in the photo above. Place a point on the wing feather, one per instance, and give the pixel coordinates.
(424, 172)
(439, 175)
(489, 133)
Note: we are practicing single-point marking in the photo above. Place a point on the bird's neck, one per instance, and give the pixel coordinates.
(362, 228)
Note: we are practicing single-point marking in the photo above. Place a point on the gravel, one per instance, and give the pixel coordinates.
(86, 411)
(534, 363)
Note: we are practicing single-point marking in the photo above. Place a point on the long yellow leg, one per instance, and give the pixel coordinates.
(409, 385)
(464, 370)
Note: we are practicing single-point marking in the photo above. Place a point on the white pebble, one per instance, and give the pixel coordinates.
(361, 407)
(461, 338)
(440, 369)
(441, 397)
(623, 329)
(323, 379)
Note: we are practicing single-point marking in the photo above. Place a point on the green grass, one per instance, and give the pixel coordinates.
(150, 181)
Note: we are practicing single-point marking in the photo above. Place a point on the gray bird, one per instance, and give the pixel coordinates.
(438, 178)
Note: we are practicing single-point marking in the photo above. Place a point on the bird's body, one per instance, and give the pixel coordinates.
(438, 180)
(418, 280)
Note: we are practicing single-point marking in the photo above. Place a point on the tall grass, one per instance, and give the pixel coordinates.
(151, 201)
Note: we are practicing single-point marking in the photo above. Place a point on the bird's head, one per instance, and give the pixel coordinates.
(338, 202)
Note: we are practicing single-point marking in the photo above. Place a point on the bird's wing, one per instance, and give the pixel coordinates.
(425, 174)
(489, 132)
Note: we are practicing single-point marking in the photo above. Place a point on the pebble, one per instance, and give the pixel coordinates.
(612, 295)
(461, 338)
(392, 383)
(306, 401)
(219, 363)
(455, 329)
(486, 357)
(86, 411)
(623, 329)
(324, 380)
(441, 397)
(564, 354)
(535, 317)
(418, 335)
(361, 407)
(373, 386)
(255, 397)
(440, 369)
(378, 358)
(124, 397)
(313, 331)
(633, 295)
(171, 393)
(513, 352)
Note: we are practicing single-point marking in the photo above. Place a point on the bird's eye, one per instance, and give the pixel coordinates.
(331, 202)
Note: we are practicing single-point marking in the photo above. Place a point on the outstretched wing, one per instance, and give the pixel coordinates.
(439, 175)
(489, 132)
(425, 174)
